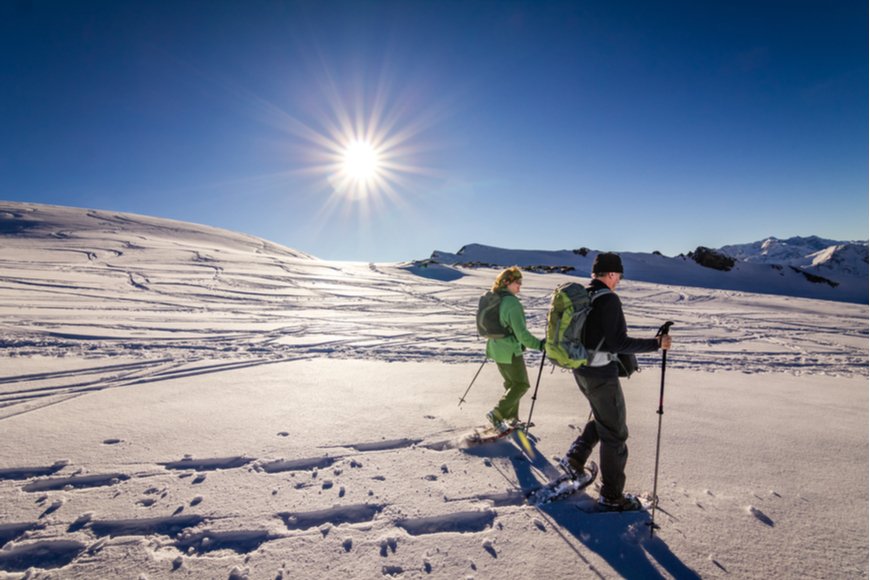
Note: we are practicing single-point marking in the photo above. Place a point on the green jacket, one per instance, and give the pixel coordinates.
(512, 316)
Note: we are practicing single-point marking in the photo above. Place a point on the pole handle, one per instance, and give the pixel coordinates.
(664, 329)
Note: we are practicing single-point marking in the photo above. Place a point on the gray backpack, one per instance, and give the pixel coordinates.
(488, 323)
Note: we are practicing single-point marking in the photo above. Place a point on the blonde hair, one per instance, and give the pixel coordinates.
(505, 277)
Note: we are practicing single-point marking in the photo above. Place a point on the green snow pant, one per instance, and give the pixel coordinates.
(516, 383)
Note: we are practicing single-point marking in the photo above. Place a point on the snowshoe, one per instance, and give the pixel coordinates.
(485, 434)
(563, 486)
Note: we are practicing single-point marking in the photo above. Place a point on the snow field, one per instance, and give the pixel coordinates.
(180, 401)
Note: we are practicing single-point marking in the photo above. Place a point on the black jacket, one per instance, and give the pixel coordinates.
(607, 320)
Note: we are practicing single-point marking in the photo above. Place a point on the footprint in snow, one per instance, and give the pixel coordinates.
(22, 473)
(306, 464)
(440, 445)
(239, 541)
(209, 464)
(75, 482)
(461, 522)
(46, 554)
(167, 526)
(9, 532)
(385, 445)
(348, 514)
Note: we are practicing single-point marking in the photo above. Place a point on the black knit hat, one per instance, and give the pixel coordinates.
(605, 263)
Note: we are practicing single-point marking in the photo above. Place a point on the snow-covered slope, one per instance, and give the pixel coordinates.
(792, 251)
(835, 271)
(71, 227)
(180, 401)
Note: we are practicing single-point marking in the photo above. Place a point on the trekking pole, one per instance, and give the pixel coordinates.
(535, 394)
(661, 411)
(462, 399)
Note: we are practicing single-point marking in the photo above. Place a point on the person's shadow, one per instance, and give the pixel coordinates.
(622, 539)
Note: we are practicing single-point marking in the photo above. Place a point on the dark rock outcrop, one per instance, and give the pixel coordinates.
(712, 259)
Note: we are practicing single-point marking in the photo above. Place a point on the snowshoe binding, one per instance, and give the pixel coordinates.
(563, 486)
(498, 424)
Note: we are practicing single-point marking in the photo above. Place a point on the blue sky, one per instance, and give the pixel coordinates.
(627, 126)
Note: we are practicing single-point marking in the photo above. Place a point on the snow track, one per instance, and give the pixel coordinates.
(148, 293)
(56, 542)
(181, 401)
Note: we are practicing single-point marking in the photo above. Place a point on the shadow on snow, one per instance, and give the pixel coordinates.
(621, 539)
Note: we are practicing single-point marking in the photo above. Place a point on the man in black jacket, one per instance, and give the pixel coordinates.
(600, 383)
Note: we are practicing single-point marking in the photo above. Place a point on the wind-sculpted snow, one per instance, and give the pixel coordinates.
(172, 300)
(178, 401)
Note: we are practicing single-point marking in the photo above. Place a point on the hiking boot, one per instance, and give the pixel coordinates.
(624, 503)
(571, 466)
(497, 423)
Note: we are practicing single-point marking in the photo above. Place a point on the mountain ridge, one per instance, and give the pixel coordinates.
(804, 267)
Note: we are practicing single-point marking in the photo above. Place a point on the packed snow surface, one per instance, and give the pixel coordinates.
(182, 401)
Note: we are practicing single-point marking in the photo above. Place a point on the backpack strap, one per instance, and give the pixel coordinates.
(598, 293)
(504, 293)
(594, 354)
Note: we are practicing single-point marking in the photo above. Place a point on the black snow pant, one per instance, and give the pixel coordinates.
(608, 428)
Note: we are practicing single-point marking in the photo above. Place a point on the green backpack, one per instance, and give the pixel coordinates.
(488, 322)
(569, 309)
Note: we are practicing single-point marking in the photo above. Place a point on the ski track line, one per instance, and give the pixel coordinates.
(87, 371)
(9, 399)
(242, 290)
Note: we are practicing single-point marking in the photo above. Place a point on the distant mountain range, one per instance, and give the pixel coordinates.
(813, 253)
(807, 267)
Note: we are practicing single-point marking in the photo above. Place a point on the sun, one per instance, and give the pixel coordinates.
(361, 162)
(366, 154)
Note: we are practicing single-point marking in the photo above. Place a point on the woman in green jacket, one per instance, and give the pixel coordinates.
(507, 352)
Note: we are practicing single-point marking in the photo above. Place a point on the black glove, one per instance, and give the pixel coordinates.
(543, 347)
